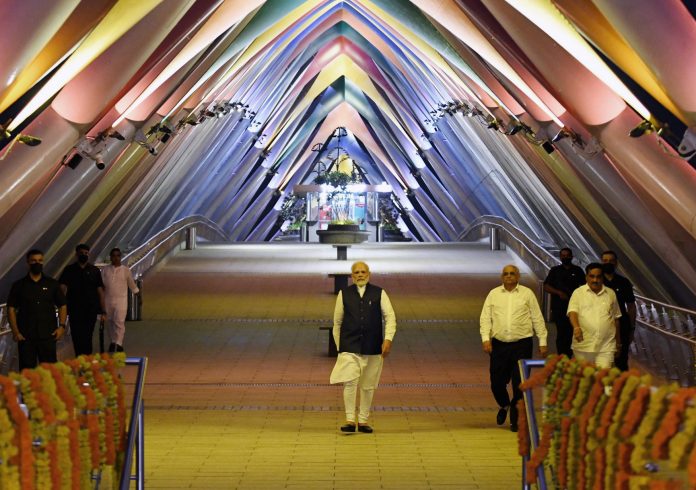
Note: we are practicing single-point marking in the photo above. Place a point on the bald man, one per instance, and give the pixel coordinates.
(509, 319)
(364, 327)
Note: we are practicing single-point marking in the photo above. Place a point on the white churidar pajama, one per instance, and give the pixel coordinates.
(360, 370)
(117, 280)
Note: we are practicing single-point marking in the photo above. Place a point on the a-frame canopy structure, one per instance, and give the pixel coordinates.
(152, 111)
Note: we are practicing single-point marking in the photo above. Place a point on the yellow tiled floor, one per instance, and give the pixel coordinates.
(237, 391)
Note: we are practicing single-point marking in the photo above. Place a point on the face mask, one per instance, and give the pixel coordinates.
(608, 268)
(36, 269)
(82, 259)
(567, 261)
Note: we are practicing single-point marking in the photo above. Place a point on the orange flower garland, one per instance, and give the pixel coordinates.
(636, 410)
(76, 424)
(691, 468)
(600, 427)
(670, 424)
(24, 457)
(73, 426)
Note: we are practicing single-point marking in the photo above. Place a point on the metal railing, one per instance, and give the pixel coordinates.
(135, 442)
(666, 340)
(525, 367)
(665, 335)
(156, 248)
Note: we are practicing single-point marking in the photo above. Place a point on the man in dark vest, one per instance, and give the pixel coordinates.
(364, 327)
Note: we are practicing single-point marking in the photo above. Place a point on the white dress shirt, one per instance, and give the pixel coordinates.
(388, 315)
(596, 314)
(512, 315)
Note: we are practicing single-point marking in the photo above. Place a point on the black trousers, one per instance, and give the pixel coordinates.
(626, 332)
(32, 352)
(564, 333)
(81, 330)
(504, 369)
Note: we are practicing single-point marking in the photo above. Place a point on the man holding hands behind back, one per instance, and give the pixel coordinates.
(509, 319)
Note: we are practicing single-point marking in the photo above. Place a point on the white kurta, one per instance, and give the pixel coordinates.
(596, 315)
(351, 366)
(117, 281)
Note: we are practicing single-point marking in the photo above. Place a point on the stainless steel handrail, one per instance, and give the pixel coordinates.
(136, 431)
(665, 341)
(155, 248)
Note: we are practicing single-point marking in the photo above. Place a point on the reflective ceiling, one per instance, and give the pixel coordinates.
(467, 108)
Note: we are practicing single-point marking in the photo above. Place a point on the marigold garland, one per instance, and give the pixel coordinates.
(523, 434)
(76, 424)
(600, 427)
(670, 423)
(691, 468)
(23, 433)
(9, 473)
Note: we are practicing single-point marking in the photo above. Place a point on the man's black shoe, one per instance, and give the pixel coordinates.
(513, 427)
(502, 415)
(348, 428)
(365, 429)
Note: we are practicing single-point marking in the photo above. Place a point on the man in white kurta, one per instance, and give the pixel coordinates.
(364, 328)
(117, 280)
(594, 314)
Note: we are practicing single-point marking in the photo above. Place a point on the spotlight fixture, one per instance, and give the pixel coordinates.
(645, 127)
(566, 132)
(25, 139)
(141, 140)
(28, 140)
(563, 133)
(687, 147)
(209, 113)
(493, 124)
(518, 126)
(548, 147)
(112, 133)
(91, 148)
(74, 161)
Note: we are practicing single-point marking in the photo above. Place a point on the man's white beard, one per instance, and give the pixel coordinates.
(361, 282)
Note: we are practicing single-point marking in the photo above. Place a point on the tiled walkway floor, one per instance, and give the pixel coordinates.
(237, 388)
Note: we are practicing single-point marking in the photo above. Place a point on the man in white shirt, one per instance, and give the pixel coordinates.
(364, 327)
(594, 314)
(509, 319)
(117, 279)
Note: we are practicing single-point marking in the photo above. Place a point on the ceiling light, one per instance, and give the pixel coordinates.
(28, 140)
(645, 127)
(546, 145)
(22, 138)
(74, 161)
